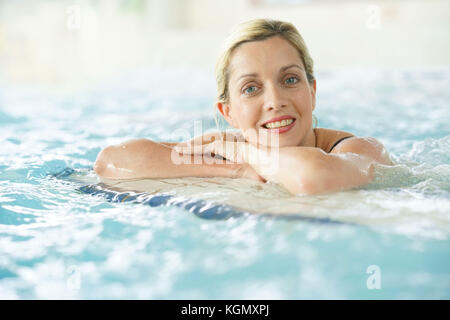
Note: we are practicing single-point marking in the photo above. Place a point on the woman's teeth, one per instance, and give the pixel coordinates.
(278, 124)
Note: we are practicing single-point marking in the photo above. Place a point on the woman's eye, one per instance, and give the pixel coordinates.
(291, 80)
(250, 90)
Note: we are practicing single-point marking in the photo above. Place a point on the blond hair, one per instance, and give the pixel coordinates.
(257, 30)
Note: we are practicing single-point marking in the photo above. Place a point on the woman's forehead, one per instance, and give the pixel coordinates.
(257, 56)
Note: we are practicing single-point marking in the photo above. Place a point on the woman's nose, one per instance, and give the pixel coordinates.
(274, 98)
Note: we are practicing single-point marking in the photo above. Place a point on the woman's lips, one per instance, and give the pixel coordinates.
(285, 117)
(281, 129)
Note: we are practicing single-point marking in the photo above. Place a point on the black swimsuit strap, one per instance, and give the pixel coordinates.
(334, 145)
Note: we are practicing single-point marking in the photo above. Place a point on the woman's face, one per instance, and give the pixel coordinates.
(267, 81)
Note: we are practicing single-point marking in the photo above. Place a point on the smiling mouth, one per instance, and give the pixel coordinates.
(278, 124)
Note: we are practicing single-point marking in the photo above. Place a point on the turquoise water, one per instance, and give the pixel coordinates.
(58, 242)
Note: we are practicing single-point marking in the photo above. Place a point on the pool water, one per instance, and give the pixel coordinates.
(387, 240)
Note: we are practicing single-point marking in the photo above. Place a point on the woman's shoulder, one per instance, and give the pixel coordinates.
(327, 138)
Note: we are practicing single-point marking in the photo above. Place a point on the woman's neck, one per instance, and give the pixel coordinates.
(310, 140)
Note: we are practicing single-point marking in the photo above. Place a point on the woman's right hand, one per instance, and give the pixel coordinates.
(246, 171)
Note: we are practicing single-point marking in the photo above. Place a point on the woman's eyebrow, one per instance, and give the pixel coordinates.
(291, 66)
(282, 69)
(247, 75)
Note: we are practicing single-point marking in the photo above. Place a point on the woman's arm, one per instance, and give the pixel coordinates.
(307, 170)
(144, 158)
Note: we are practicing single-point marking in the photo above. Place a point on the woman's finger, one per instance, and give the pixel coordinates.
(233, 151)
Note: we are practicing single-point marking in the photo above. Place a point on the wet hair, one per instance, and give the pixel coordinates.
(258, 30)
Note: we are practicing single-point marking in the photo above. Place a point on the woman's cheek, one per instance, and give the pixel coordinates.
(249, 116)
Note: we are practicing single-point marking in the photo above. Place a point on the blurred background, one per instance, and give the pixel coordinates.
(68, 43)
(79, 75)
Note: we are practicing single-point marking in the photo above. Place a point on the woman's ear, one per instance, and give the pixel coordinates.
(313, 94)
(225, 110)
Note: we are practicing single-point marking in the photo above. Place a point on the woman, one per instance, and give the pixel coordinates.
(266, 90)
